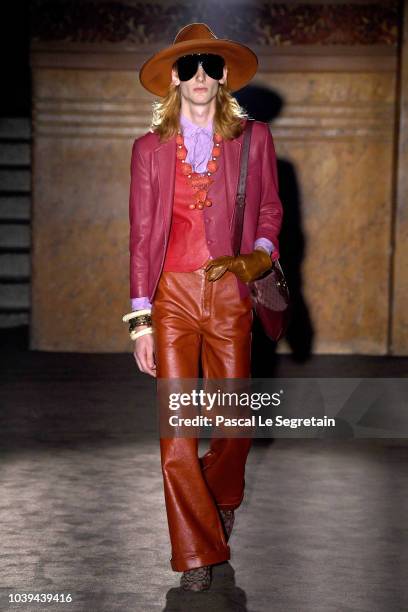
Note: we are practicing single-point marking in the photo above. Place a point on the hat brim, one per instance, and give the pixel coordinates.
(241, 61)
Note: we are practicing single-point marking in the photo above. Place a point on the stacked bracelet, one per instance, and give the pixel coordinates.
(136, 319)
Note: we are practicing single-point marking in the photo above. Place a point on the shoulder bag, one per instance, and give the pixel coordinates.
(269, 293)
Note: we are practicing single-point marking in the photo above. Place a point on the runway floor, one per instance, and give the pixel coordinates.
(323, 527)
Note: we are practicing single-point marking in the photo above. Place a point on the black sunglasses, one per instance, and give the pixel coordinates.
(187, 65)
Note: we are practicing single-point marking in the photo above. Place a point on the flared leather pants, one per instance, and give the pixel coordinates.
(194, 319)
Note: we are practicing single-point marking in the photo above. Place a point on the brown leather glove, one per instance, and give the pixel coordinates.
(246, 267)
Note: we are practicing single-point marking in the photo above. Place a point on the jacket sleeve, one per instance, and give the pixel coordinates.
(140, 199)
(271, 210)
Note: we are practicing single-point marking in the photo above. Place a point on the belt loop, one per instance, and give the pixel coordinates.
(207, 296)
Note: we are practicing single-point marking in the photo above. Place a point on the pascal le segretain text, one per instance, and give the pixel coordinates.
(252, 421)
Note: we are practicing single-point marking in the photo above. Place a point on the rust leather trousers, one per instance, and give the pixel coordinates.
(194, 319)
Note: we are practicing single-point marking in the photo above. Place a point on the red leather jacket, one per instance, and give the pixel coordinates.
(151, 201)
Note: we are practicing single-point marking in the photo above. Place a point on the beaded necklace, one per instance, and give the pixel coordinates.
(199, 182)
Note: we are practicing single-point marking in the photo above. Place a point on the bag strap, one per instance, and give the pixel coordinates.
(240, 197)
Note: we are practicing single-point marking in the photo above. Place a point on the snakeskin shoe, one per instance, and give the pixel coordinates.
(196, 579)
(228, 518)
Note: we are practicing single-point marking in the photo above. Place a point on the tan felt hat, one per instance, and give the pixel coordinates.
(242, 63)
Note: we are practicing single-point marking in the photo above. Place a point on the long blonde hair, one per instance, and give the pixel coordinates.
(228, 118)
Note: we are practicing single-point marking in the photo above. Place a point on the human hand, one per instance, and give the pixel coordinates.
(144, 352)
(246, 267)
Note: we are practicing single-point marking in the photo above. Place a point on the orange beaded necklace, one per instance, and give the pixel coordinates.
(199, 182)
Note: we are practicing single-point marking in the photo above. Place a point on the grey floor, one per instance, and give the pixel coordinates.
(323, 527)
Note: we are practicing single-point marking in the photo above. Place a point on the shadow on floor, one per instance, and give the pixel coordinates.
(223, 596)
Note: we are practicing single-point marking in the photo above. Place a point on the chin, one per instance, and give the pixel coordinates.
(203, 99)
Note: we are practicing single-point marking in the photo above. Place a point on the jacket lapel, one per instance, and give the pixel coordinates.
(165, 156)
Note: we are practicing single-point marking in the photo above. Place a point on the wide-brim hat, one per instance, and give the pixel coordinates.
(242, 63)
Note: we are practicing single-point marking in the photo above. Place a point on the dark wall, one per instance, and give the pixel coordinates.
(15, 72)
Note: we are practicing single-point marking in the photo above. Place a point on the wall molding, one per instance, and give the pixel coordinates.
(295, 59)
(90, 118)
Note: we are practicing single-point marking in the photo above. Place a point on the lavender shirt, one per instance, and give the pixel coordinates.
(199, 144)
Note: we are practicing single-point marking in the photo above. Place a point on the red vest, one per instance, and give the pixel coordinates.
(187, 247)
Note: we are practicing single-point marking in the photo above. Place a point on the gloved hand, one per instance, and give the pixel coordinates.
(246, 267)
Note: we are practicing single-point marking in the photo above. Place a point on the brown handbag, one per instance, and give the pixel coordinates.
(269, 293)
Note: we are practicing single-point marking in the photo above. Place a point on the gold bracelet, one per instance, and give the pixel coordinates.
(137, 321)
